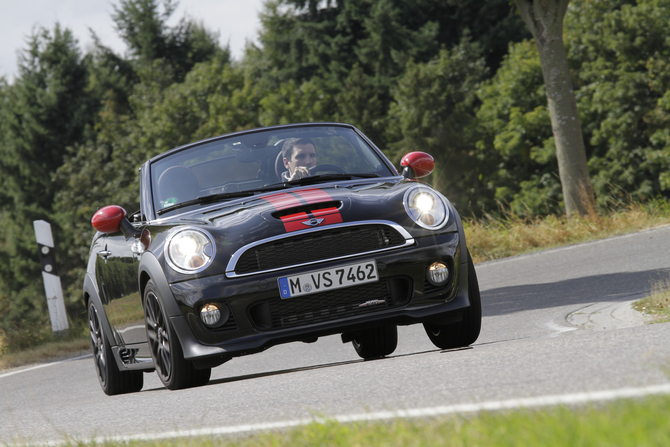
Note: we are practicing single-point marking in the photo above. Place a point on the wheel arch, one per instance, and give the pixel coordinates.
(461, 236)
(151, 269)
(91, 294)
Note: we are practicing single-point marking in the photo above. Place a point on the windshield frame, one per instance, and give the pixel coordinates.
(147, 197)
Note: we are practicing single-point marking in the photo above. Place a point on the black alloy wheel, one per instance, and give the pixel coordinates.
(376, 342)
(465, 332)
(173, 370)
(112, 381)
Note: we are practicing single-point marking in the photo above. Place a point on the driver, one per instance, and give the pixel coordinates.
(299, 155)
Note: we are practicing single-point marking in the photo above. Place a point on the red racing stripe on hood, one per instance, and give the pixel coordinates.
(283, 201)
(329, 216)
(316, 218)
(294, 222)
(304, 220)
(314, 195)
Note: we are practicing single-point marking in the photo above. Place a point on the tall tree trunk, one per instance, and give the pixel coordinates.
(544, 18)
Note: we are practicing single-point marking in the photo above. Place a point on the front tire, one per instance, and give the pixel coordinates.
(173, 370)
(376, 342)
(112, 381)
(466, 331)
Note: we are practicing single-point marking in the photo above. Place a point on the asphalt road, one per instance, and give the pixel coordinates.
(556, 323)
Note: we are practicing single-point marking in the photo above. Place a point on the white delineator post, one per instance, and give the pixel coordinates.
(52, 285)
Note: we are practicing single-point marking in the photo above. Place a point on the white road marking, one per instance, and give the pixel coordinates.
(43, 366)
(130, 328)
(529, 402)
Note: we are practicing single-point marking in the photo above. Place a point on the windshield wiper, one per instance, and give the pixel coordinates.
(206, 199)
(222, 196)
(328, 177)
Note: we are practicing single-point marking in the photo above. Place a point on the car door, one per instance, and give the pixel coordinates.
(117, 269)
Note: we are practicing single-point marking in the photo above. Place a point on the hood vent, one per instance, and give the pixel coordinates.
(307, 209)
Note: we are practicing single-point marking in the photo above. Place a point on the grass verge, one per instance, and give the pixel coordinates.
(657, 305)
(622, 423)
(46, 352)
(499, 237)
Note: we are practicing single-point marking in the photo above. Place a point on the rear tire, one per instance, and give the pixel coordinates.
(112, 380)
(173, 370)
(466, 331)
(376, 342)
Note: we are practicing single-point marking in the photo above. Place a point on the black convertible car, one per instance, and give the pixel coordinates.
(268, 236)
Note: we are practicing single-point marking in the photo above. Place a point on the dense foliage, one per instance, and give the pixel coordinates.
(618, 51)
(458, 79)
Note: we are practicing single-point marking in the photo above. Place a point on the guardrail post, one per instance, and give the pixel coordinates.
(52, 285)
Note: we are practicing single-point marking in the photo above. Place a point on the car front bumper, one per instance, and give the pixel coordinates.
(259, 318)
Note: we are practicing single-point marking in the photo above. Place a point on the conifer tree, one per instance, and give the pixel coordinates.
(45, 110)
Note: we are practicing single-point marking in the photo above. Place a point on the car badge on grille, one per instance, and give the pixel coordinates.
(313, 222)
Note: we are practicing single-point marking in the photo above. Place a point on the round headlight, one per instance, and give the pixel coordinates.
(426, 207)
(190, 250)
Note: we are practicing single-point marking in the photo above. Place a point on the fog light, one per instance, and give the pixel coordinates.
(438, 273)
(210, 314)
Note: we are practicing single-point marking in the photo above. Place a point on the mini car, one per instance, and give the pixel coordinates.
(232, 252)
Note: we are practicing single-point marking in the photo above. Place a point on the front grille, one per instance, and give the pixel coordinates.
(336, 304)
(316, 246)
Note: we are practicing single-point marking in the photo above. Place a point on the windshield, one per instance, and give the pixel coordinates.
(231, 167)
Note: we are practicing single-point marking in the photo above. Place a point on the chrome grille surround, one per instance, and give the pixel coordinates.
(230, 269)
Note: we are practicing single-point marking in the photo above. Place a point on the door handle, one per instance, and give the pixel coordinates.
(137, 248)
(105, 253)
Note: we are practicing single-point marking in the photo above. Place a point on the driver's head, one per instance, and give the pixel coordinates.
(298, 152)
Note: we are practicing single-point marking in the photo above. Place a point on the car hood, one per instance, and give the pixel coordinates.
(284, 211)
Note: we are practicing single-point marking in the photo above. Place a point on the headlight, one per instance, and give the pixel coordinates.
(426, 207)
(190, 250)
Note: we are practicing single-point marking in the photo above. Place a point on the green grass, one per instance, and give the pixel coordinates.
(656, 306)
(644, 422)
(495, 237)
(46, 352)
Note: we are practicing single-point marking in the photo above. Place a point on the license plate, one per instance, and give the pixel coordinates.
(328, 279)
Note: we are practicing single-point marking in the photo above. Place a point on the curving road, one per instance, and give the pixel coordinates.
(557, 324)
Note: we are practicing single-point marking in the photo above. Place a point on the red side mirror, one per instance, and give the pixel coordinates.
(420, 163)
(108, 219)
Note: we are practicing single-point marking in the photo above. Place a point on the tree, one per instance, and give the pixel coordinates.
(434, 109)
(358, 49)
(513, 119)
(304, 38)
(619, 52)
(544, 18)
(47, 109)
(619, 61)
(143, 27)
